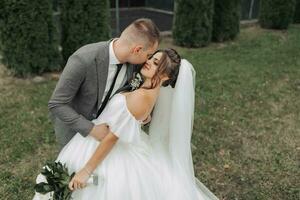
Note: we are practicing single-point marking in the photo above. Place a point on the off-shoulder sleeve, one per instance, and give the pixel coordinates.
(120, 120)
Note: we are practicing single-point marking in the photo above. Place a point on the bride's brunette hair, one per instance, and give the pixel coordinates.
(168, 65)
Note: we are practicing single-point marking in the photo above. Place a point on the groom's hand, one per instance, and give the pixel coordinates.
(99, 131)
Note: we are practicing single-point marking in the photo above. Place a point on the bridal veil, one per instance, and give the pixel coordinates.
(171, 129)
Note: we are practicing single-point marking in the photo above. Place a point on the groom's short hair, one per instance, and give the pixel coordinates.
(146, 30)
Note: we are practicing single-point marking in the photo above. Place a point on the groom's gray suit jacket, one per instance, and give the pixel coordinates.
(79, 91)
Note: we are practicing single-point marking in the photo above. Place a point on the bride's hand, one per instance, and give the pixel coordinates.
(79, 180)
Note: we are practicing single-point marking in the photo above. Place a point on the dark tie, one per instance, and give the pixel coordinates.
(110, 90)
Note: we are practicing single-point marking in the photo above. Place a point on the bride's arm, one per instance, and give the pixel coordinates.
(139, 106)
(80, 178)
(102, 150)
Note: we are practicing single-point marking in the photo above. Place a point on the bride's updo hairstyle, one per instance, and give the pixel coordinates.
(168, 65)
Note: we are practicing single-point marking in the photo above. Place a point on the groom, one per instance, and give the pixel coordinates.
(92, 74)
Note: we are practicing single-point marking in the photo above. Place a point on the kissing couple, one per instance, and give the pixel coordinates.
(105, 94)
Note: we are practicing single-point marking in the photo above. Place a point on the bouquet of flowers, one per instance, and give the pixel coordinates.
(58, 179)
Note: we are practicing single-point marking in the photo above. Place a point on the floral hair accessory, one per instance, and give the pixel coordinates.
(136, 81)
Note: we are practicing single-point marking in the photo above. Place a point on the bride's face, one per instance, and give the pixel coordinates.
(150, 67)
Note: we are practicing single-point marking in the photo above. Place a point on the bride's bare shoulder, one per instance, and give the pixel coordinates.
(139, 104)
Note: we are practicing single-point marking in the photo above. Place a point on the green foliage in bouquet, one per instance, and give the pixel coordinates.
(58, 179)
(83, 22)
(226, 21)
(192, 25)
(276, 14)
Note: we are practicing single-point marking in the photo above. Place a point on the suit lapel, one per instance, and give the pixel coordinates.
(129, 72)
(102, 62)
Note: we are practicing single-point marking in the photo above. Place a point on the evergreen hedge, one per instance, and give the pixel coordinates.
(28, 39)
(192, 25)
(226, 20)
(297, 12)
(276, 14)
(83, 22)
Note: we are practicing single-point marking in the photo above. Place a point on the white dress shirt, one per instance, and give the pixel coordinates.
(112, 69)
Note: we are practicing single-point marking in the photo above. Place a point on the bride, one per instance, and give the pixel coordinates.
(134, 165)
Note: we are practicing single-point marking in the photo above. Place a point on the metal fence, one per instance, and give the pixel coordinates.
(249, 8)
(132, 9)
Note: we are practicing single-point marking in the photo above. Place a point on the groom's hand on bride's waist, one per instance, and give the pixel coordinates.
(99, 131)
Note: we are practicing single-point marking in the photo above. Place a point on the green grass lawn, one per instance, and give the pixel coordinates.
(247, 119)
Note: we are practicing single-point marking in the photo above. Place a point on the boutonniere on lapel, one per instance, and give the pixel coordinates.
(136, 82)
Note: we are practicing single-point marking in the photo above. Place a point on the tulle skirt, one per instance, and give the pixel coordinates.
(129, 172)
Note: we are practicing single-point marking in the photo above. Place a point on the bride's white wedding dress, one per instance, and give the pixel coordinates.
(135, 169)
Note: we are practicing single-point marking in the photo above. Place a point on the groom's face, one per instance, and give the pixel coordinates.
(141, 54)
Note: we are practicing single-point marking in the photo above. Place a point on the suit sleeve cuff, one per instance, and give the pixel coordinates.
(84, 126)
